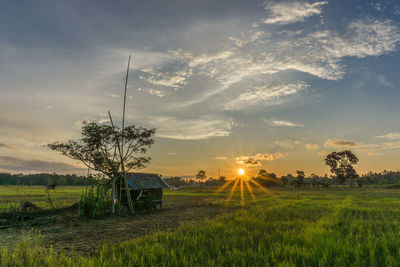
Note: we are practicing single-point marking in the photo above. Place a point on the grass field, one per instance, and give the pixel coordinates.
(11, 196)
(280, 227)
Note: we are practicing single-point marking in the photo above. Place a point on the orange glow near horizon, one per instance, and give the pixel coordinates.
(224, 186)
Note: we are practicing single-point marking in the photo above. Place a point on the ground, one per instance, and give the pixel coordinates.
(276, 226)
(65, 231)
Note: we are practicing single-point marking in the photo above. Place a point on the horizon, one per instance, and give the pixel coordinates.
(228, 85)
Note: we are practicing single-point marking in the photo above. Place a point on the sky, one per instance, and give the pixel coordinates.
(272, 85)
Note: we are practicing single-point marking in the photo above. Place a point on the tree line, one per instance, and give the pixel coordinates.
(46, 179)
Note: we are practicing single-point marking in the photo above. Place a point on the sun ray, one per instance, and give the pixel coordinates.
(250, 190)
(232, 191)
(261, 187)
(223, 187)
(242, 201)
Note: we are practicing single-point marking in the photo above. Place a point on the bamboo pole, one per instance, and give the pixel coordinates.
(128, 193)
(123, 109)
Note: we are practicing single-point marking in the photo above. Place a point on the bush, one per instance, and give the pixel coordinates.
(95, 201)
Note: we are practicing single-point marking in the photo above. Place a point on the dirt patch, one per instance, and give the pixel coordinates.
(68, 233)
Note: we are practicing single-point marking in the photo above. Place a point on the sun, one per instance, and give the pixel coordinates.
(241, 171)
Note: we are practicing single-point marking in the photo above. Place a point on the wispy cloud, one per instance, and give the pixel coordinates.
(101, 121)
(383, 81)
(152, 91)
(311, 146)
(220, 158)
(390, 136)
(289, 12)
(339, 143)
(282, 123)
(323, 153)
(248, 58)
(287, 144)
(7, 146)
(191, 129)
(264, 94)
(254, 161)
(27, 165)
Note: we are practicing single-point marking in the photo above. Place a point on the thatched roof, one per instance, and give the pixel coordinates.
(139, 181)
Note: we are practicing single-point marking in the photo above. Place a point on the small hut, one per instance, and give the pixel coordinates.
(51, 187)
(145, 189)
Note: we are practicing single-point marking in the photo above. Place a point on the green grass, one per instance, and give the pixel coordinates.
(304, 227)
(11, 196)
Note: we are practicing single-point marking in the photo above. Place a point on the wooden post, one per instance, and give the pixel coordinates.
(113, 196)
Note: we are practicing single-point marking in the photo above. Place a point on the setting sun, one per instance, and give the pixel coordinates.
(241, 171)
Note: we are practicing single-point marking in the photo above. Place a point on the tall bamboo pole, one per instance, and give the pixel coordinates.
(123, 109)
(128, 193)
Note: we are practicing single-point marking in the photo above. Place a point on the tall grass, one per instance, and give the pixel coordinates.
(95, 201)
(289, 228)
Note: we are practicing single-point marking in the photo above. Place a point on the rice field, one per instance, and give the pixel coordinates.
(11, 196)
(277, 227)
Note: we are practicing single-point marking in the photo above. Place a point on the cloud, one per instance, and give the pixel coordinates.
(248, 161)
(339, 143)
(323, 153)
(383, 81)
(24, 165)
(289, 12)
(390, 136)
(151, 91)
(246, 58)
(172, 153)
(176, 80)
(191, 129)
(103, 121)
(312, 146)
(287, 144)
(204, 59)
(264, 94)
(220, 158)
(253, 161)
(7, 146)
(280, 123)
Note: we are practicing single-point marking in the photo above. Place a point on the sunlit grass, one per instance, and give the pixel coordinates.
(295, 227)
(250, 190)
(232, 191)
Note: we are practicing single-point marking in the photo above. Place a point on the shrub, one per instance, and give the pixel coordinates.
(95, 201)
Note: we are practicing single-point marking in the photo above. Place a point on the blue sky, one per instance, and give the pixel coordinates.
(272, 85)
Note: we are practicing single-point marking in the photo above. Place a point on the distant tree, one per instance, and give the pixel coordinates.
(262, 173)
(222, 179)
(300, 177)
(284, 180)
(200, 176)
(341, 164)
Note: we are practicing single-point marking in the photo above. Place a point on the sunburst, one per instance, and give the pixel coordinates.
(243, 187)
